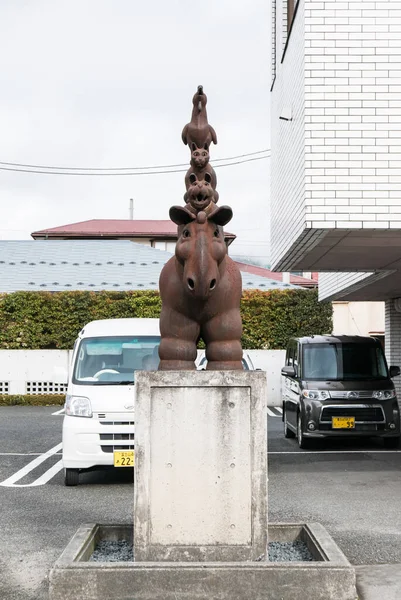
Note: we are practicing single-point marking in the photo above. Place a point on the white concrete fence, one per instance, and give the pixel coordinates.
(46, 371)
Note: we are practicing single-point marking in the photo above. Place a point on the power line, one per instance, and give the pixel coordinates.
(155, 167)
(74, 173)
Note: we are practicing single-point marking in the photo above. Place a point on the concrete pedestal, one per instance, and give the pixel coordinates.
(200, 466)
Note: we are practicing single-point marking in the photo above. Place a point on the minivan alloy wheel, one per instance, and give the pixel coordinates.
(302, 442)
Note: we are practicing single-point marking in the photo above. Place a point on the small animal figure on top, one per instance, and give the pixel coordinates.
(198, 131)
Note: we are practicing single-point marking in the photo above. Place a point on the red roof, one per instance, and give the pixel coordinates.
(113, 228)
(262, 272)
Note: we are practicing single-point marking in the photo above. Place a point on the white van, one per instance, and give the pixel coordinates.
(98, 427)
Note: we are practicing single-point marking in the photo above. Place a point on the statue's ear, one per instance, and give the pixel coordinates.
(192, 178)
(194, 147)
(221, 216)
(208, 178)
(180, 215)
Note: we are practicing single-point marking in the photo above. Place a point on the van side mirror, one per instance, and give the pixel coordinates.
(394, 371)
(288, 372)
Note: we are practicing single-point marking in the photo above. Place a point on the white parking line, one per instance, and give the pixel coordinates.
(49, 474)
(271, 413)
(21, 453)
(59, 412)
(10, 482)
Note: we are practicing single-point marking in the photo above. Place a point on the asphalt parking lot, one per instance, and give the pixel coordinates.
(353, 489)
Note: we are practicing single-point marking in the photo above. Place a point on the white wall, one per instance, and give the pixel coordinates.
(20, 369)
(272, 362)
(167, 245)
(358, 318)
(34, 371)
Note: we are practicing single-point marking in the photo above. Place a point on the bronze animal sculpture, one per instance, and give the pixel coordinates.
(200, 286)
(200, 289)
(198, 132)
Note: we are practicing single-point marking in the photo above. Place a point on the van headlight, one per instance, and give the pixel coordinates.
(77, 406)
(383, 394)
(316, 394)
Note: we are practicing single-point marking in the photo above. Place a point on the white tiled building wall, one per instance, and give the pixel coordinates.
(352, 113)
(338, 163)
(288, 137)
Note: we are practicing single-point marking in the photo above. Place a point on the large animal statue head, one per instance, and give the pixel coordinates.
(200, 248)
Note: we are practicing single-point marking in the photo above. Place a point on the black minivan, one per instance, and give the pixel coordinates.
(339, 386)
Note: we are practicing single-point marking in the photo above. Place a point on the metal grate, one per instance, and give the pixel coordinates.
(45, 387)
(4, 387)
(116, 436)
(124, 423)
(373, 414)
(109, 449)
(354, 395)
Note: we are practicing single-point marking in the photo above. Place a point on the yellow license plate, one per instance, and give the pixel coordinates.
(343, 422)
(124, 458)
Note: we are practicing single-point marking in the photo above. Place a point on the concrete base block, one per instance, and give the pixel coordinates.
(330, 576)
(200, 490)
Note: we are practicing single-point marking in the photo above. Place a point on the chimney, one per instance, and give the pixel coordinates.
(131, 209)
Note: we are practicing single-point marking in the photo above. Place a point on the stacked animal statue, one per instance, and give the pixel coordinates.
(200, 286)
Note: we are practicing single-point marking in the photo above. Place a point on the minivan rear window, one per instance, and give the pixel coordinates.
(114, 360)
(343, 361)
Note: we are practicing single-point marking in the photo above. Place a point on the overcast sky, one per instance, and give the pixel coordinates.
(109, 83)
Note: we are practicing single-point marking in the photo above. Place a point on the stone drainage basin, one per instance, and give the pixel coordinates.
(324, 574)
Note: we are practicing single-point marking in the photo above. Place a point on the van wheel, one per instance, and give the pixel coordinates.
(391, 443)
(71, 477)
(288, 433)
(302, 442)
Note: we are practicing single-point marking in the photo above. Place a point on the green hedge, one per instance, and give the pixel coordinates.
(28, 400)
(45, 320)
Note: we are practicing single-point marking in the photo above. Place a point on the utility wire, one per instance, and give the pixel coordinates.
(35, 171)
(155, 167)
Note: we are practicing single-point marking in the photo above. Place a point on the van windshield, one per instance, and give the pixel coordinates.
(114, 360)
(344, 361)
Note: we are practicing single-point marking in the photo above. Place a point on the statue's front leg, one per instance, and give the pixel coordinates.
(222, 336)
(179, 336)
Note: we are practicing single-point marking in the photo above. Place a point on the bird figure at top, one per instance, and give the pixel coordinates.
(198, 134)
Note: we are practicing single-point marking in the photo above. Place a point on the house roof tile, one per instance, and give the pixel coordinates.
(92, 265)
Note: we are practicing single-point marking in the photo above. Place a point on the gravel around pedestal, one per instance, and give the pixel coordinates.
(113, 552)
(278, 552)
(289, 551)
